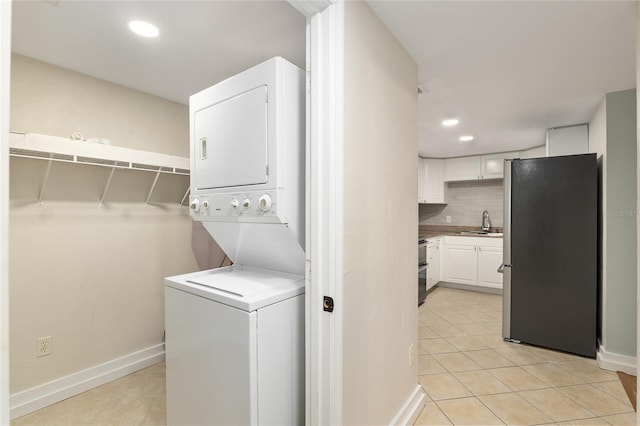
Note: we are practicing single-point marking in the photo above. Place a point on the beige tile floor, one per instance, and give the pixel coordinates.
(136, 399)
(473, 377)
(470, 375)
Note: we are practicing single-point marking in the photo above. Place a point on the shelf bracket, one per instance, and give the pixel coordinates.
(106, 186)
(153, 186)
(44, 181)
(184, 197)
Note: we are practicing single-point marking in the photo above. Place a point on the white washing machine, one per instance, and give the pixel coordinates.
(235, 348)
(235, 336)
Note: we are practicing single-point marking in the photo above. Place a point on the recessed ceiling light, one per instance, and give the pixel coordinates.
(144, 29)
(450, 122)
(466, 138)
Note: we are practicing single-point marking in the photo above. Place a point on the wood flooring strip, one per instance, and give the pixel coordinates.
(629, 385)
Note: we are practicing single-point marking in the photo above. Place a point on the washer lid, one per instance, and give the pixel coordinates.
(241, 287)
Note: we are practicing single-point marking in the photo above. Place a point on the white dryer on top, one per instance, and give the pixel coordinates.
(247, 165)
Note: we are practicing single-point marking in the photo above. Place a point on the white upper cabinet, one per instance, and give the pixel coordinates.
(493, 164)
(568, 140)
(462, 168)
(477, 167)
(422, 177)
(431, 181)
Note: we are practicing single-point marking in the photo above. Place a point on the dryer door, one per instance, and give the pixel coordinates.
(231, 142)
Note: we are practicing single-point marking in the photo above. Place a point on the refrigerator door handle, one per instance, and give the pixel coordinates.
(506, 278)
(501, 268)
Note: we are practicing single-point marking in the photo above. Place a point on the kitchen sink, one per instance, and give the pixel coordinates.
(488, 234)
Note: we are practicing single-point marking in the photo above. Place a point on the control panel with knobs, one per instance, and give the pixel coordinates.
(246, 205)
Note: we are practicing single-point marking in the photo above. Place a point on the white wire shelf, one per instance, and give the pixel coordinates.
(55, 148)
(59, 149)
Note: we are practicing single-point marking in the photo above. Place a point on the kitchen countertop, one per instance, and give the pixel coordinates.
(430, 231)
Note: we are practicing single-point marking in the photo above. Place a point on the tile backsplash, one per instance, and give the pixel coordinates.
(465, 203)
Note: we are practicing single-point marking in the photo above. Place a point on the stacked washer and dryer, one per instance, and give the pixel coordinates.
(235, 335)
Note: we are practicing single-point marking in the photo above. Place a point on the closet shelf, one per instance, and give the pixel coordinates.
(59, 149)
(55, 148)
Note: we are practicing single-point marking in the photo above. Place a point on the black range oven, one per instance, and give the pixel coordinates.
(422, 269)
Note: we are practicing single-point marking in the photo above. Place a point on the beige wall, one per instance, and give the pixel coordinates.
(637, 192)
(612, 135)
(620, 216)
(380, 277)
(55, 101)
(598, 145)
(5, 59)
(637, 189)
(90, 276)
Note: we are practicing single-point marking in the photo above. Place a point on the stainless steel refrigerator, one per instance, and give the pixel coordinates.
(551, 252)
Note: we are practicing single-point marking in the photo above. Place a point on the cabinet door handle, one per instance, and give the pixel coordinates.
(500, 269)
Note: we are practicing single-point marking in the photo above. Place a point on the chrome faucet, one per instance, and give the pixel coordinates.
(486, 222)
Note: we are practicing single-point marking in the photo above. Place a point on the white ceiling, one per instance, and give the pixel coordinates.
(201, 42)
(507, 69)
(511, 69)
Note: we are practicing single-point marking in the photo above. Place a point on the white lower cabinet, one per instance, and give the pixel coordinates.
(434, 261)
(473, 261)
(461, 264)
(489, 260)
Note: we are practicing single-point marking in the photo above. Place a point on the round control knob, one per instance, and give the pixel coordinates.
(246, 203)
(205, 204)
(234, 203)
(195, 205)
(264, 202)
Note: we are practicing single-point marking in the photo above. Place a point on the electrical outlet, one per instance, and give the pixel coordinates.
(448, 219)
(412, 354)
(44, 346)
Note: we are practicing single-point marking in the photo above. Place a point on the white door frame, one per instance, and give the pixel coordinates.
(5, 86)
(324, 209)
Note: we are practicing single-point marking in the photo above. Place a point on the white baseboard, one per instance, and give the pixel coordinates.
(410, 410)
(616, 362)
(41, 396)
(478, 288)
